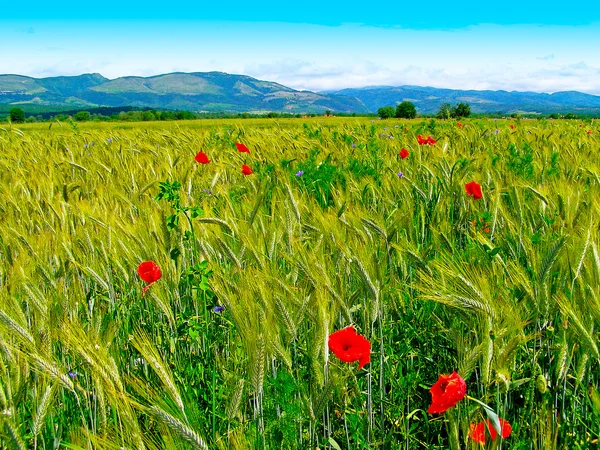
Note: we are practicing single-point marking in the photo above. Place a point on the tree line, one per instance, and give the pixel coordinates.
(407, 110)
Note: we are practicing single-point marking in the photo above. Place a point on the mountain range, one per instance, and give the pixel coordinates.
(222, 92)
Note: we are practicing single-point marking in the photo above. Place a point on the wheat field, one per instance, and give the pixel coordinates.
(228, 349)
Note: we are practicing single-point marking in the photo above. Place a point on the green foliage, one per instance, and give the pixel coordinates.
(17, 115)
(445, 111)
(448, 111)
(82, 116)
(461, 110)
(406, 110)
(520, 162)
(386, 112)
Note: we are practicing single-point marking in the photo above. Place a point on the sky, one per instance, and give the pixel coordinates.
(314, 45)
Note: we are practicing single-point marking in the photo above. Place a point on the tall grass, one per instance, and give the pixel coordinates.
(87, 361)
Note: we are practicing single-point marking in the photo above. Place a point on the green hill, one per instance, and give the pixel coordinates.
(211, 92)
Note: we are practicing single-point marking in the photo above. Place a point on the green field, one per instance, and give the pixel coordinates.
(333, 228)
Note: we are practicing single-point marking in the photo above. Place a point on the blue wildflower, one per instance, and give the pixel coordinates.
(219, 309)
(299, 173)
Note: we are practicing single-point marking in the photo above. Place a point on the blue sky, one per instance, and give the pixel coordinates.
(315, 45)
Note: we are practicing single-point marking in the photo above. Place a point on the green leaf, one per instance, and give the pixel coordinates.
(494, 419)
(174, 254)
(172, 222)
(334, 444)
(196, 212)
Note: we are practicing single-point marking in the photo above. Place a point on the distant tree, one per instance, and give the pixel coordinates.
(445, 111)
(82, 116)
(570, 116)
(272, 115)
(387, 112)
(147, 116)
(406, 110)
(17, 115)
(461, 110)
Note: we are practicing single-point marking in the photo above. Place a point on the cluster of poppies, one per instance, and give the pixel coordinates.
(422, 140)
(202, 158)
(447, 392)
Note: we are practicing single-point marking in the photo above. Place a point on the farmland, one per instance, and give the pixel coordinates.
(228, 349)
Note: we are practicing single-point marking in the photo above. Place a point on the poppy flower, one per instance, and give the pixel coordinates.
(511, 126)
(474, 190)
(349, 346)
(446, 393)
(149, 271)
(460, 125)
(242, 148)
(202, 158)
(580, 125)
(431, 141)
(422, 140)
(590, 132)
(477, 431)
(246, 170)
(403, 153)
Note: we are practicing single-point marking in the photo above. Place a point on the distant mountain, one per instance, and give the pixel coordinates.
(428, 99)
(222, 92)
(210, 91)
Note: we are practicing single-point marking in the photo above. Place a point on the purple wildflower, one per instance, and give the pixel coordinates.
(72, 374)
(353, 145)
(109, 140)
(497, 131)
(219, 309)
(400, 175)
(300, 173)
(85, 146)
(208, 191)
(92, 143)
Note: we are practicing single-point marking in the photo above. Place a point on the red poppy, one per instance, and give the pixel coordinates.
(460, 125)
(202, 158)
(590, 132)
(149, 271)
(246, 170)
(349, 346)
(512, 127)
(422, 140)
(474, 190)
(580, 125)
(403, 153)
(431, 141)
(477, 431)
(446, 393)
(242, 148)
